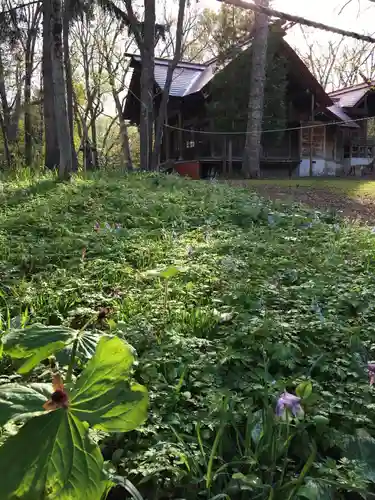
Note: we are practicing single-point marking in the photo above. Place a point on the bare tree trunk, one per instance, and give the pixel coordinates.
(52, 153)
(29, 63)
(147, 85)
(126, 153)
(41, 112)
(27, 114)
(8, 158)
(90, 146)
(77, 118)
(94, 141)
(69, 83)
(16, 112)
(61, 114)
(168, 82)
(4, 101)
(252, 153)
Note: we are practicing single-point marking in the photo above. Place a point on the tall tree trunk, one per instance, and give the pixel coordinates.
(4, 102)
(94, 141)
(8, 158)
(61, 113)
(252, 153)
(125, 146)
(27, 114)
(168, 82)
(41, 113)
(52, 153)
(147, 85)
(124, 136)
(69, 82)
(90, 146)
(77, 119)
(16, 113)
(29, 63)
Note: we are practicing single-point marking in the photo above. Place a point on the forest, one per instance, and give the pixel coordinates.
(81, 51)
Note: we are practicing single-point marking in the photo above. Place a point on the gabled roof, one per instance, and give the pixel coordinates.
(299, 70)
(187, 77)
(349, 97)
(339, 113)
(190, 78)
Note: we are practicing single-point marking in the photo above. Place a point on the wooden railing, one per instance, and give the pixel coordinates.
(361, 151)
(217, 147)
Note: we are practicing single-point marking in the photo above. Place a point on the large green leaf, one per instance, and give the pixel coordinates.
(103, 395)
(18, 402)
(129, 413)
(36, 343)
(51, 457)
(87, 341)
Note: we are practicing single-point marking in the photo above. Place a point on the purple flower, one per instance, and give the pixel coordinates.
(371, 372)
(289, 402)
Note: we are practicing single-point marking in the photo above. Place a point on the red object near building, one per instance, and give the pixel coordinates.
(190, 169)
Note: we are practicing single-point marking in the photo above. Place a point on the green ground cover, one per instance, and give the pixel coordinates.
(228, 300)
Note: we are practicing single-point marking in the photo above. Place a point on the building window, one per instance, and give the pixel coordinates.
(190, 144)
(318, 140)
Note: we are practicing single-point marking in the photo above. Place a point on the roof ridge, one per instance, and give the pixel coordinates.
(351, 88)
(164, 62)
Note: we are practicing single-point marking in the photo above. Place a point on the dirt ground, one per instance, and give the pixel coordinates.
(355, 207)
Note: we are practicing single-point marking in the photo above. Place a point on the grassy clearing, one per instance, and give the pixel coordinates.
(256, 298)
(353, 188)
(352, 199)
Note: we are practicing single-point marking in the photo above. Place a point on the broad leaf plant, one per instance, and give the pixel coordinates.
(52, 456)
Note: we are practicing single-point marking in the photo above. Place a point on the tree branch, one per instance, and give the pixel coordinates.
(16, 7)
(297, 19)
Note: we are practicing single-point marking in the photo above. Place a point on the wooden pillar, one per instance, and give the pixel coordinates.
(180, 136)
(193, 139)
(230, 157)
(167, 141)
(197, 142)
(311, 134)
(210, 138)
(224, 157)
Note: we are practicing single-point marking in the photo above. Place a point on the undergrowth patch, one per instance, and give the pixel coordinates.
(228, 300)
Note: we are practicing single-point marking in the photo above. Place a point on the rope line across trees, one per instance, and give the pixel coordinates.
(327, 124)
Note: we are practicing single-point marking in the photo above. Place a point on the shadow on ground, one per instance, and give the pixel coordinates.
(353, 206)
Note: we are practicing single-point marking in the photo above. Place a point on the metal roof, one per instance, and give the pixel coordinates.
(186, 77)
(189, 78)
(339, 113)
(202, 80)
(350, 96)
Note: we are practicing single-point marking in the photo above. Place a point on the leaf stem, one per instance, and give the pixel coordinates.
(74, 351)
(69, 374)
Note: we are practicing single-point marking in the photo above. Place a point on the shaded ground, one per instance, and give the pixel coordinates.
(355, 200)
